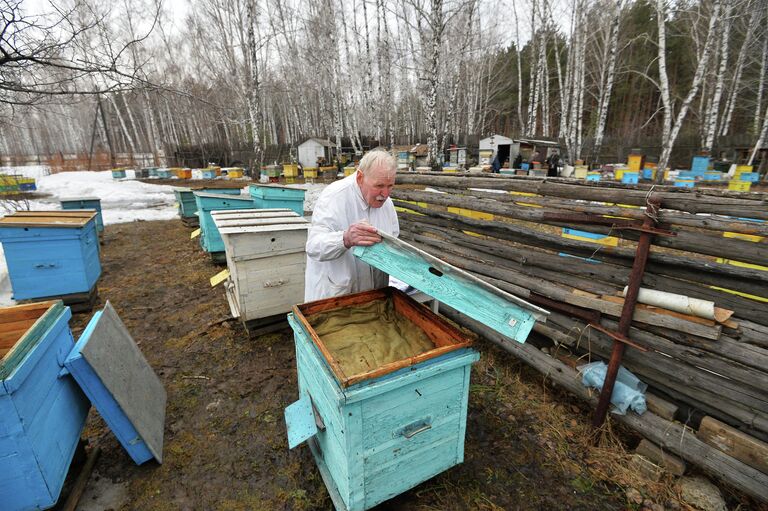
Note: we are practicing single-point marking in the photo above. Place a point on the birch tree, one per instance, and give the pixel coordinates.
(607, 77)
(673, 122)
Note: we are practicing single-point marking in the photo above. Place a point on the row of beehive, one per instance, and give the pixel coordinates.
(181, 173)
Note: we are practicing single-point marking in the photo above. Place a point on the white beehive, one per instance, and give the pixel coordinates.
(265, 258)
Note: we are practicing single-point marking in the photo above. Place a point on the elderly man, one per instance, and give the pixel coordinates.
(350, 212)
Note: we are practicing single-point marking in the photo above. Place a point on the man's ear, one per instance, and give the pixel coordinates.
(359, 177)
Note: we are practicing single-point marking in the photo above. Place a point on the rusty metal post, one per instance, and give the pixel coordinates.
(635, 280)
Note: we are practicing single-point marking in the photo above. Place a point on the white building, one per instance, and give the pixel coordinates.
(506, 148)
(314, 148)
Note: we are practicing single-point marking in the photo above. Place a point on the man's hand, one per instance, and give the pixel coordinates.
(361, 233)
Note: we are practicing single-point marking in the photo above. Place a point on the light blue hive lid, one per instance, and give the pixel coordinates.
(507, 314)
(108, 365)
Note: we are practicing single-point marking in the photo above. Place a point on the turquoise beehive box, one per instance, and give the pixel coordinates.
(270, 196)
(85, 203)
(378, 433)
(210, 239)
(46, 382)
(41, 414)
(185, 199)
(50, 253)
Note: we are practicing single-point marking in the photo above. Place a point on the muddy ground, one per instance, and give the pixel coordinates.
(527, 446)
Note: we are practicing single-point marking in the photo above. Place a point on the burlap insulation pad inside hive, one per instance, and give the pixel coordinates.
(366, 337)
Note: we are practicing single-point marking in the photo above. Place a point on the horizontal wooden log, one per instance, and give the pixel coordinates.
(698, 270)
(607, 272)
(741, 446)
(685, 240)
(686, 382)
(711, 222)
(653, 452)
(463, 259)
(688, 201)
(669, 435)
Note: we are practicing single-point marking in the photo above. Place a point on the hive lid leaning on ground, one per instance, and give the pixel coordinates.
(507, 314)
(71, 218)
(110, 368)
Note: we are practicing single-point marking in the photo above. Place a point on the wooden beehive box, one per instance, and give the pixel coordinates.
(266, 260)
(210, 239)
(51, 253)
(77, 203)
(383, 381)
(41, 413)
(385, 430)
(47, 382)
(272, 196)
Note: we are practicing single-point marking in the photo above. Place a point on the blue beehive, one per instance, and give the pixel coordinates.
(630, 178)
(43, 409)
(118, 174)
(749, 176)
(684, 183)
(208, 173)
(377, 433)
(85, 203)
(41, 414)
(164, 173)
(275, 197)
(50, 253)
(700, 165)
(185, 198)
(210, 239)
(713, 175)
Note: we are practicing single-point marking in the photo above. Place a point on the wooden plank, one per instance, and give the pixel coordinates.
(665, 459)
(660, 406)
(24, 312)
(733, 442)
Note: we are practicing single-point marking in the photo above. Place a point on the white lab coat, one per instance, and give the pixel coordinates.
(332, 270)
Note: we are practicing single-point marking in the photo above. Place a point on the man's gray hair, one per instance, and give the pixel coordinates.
(378, 159)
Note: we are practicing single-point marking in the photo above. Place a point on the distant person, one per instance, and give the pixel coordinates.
(350, 212)
(496, 165)
(518, 161)
(536, 157)
(553, 162)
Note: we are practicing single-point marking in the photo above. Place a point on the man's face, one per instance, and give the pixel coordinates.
(375, 186)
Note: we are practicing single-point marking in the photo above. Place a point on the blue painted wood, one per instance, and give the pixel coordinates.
(46, 261)
(210, 238)
(501, 311)
(42, 414)
(300, 421)
(385, 435)
(118, 174)
(684, 183)
(85, 203)
(270, 196)
(208, 173)
(629, 178)
(164, 173)
(700, 164)
(185, 198)
(110, 369)
(753, 177)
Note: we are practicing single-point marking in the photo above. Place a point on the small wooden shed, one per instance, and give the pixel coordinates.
(313, 148)
(51, 253)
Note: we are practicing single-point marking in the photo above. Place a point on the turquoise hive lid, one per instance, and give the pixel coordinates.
(507, 314)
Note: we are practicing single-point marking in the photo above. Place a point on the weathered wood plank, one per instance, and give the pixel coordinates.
(739, 445)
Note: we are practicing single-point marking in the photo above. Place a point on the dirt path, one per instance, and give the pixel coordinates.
(225, 442)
